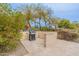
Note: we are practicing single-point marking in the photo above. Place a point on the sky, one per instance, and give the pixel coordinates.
(62, 10)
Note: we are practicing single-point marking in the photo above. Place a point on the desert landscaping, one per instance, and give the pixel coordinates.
(35, 30)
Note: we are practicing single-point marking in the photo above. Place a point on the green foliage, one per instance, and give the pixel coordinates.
(33, 28)
(66, 24)
(72, 26)
(5, 8)
(20, 20)
(42, 29)
(10, 27)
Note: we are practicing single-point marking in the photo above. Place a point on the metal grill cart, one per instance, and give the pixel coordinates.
(32, 35)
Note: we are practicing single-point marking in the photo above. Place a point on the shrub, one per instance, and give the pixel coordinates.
(44, 28)
(66, 24)
(9, 32)
(72, 26)
(66, 35)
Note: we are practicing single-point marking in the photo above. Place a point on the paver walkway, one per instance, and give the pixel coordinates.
(55, 47)
(33, 46)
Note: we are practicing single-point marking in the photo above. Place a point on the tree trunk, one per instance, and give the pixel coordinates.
(35, 25)
(45, 24)
(28, 26)
(55, 27)
(39, 23)
(49, 25)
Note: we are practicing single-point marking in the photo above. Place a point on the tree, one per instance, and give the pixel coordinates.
(36, 11)
(54, 21)
(43, 13)
(28, 11)
(38, 14)
(64, 23)
(5, 8)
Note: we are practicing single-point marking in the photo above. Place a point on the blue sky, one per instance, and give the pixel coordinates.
(63, 10)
